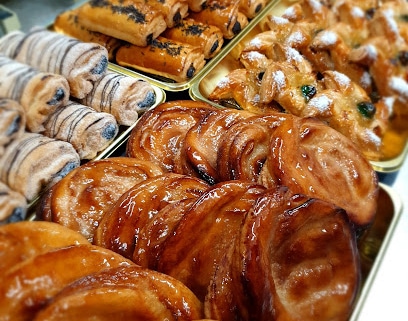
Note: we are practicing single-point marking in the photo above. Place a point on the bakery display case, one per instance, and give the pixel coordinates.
(381, 248)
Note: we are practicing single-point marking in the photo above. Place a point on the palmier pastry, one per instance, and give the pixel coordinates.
(13, 206)
(122, 96)
(67, 23)
(39, 93)
(12, 121)
(120, 226)
(96, 186)
(34, 161)
(121, 293)
(163, 57)
(87, 130)
(81, 63)
(133, 21)
(226, 17)
(195, 33)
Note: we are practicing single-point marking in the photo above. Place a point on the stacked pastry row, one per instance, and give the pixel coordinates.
(59, 105)
(343, 62)
(49, 272)
(217, 198)
(170, 38)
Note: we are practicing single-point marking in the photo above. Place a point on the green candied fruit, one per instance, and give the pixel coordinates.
(308, 91)
(366, 109)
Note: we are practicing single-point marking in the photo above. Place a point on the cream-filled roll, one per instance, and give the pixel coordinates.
(12, 121)
(81, 63)
(33, 162)
(122, 96)
(87, 130)
(39, 93)
(13, 205)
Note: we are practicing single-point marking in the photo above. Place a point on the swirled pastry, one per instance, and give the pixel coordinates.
(81, 63)
(34, 161)
(39, 93)
(12, 121)
(122, 96)
(96, 186)
(13, 206)
(87, 130)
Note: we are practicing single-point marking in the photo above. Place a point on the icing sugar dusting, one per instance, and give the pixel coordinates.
(290, 12)
(322, 103)
(279, 20)
(357, 12)
(327, 38)
(280, 79)
(399, 85)
(341, 79)
(295, 38)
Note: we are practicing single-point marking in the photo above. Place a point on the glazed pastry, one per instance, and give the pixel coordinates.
(120, 226)
(133, 21)
(226, 17)
(24, 240)
(121, 293)
(163, 57)
(37, 92)
(122, 96)
(96, 185)
(196, 5)
(173, 10)
(87, 130)
(13, 207)
(208, 37)
(67, 23)
(33, 162)
(41, 277)
(79, 62)
(12, 122)
(159, 134)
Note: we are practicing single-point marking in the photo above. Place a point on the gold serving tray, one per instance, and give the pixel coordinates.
(208, 80)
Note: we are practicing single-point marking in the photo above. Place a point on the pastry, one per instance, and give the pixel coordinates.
(122, 96)
(163, 57)
(39, 93)
(33, 162)
(226, 17)
(81, 63)
(87, 130)
(210, 38)
(173, 10)
(12, 121)
(133, 21)
(13, 206)
(96, 185)
(67, 23)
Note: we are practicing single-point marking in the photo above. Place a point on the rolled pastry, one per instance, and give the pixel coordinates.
(208, 37)
(196, 5)
(87, 130)
(12, 122)
(173, 10)
(251, 8)
(226, 17)
(67, 23)
(122, 96)
(163, 57)
(13, 205)
(34, 161)
(39, 93)
(80, 62)
(133, 21)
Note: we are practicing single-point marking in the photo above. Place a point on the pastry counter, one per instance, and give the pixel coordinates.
(385, 298)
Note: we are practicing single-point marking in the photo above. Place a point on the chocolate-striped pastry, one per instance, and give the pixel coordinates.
(80, 62)
(208, 37)
(68, 24)
(226, 17)
(122, 96)
(133, 21)
(163, 57)
(39, 93)
(12, 121)
(173, 10)
(87, 130)
(34, 161)
(13, 205)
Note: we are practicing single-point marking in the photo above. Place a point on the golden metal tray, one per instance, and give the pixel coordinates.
(208, 80)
